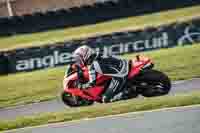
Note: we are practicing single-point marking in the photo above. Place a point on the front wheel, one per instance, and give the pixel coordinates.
(153, 83)
(74, 101)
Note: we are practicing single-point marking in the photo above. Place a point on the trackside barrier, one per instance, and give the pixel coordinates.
(150, 38)
(75, 16)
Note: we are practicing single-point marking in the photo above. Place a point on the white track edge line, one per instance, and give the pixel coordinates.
(108, 116)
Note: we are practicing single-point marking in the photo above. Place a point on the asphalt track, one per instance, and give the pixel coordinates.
(176, 120)
(56, 105)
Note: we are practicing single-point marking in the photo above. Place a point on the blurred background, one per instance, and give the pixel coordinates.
(41, 34)
(22, 16)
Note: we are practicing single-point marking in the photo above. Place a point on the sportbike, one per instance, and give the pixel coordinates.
(142, 79)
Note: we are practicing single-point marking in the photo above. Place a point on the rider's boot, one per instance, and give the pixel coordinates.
(114, 91)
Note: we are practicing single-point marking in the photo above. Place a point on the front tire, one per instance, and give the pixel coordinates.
(153, 83)
(74, 101)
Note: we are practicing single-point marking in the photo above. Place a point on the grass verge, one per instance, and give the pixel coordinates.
(104, 110)
(23, 88)
(129, 23)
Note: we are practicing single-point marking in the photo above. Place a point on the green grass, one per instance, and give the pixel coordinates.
(43, 38)
(22, 88)
(104, 110)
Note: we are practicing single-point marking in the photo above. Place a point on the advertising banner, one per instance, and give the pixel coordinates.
(151, 38)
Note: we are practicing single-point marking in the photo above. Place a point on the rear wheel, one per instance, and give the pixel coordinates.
(74, 101)
(153, 83)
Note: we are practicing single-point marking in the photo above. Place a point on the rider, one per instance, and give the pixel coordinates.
(112, 66)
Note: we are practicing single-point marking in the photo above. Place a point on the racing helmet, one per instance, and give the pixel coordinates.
(84, 55)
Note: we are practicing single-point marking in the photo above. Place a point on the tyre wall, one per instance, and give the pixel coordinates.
(36, 18)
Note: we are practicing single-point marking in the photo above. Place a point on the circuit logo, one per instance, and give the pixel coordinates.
(189, 37)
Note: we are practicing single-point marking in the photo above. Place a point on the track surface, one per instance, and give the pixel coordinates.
(179, 120)
(56, 105)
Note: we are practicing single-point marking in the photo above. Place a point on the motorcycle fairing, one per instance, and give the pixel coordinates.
(92, 93)
(137, 65)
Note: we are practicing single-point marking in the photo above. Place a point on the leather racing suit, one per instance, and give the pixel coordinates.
(111, 66)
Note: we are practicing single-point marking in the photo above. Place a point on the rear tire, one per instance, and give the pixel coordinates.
(153, 83)
(74, 101)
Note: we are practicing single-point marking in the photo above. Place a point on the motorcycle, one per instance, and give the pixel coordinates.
(142, 79)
